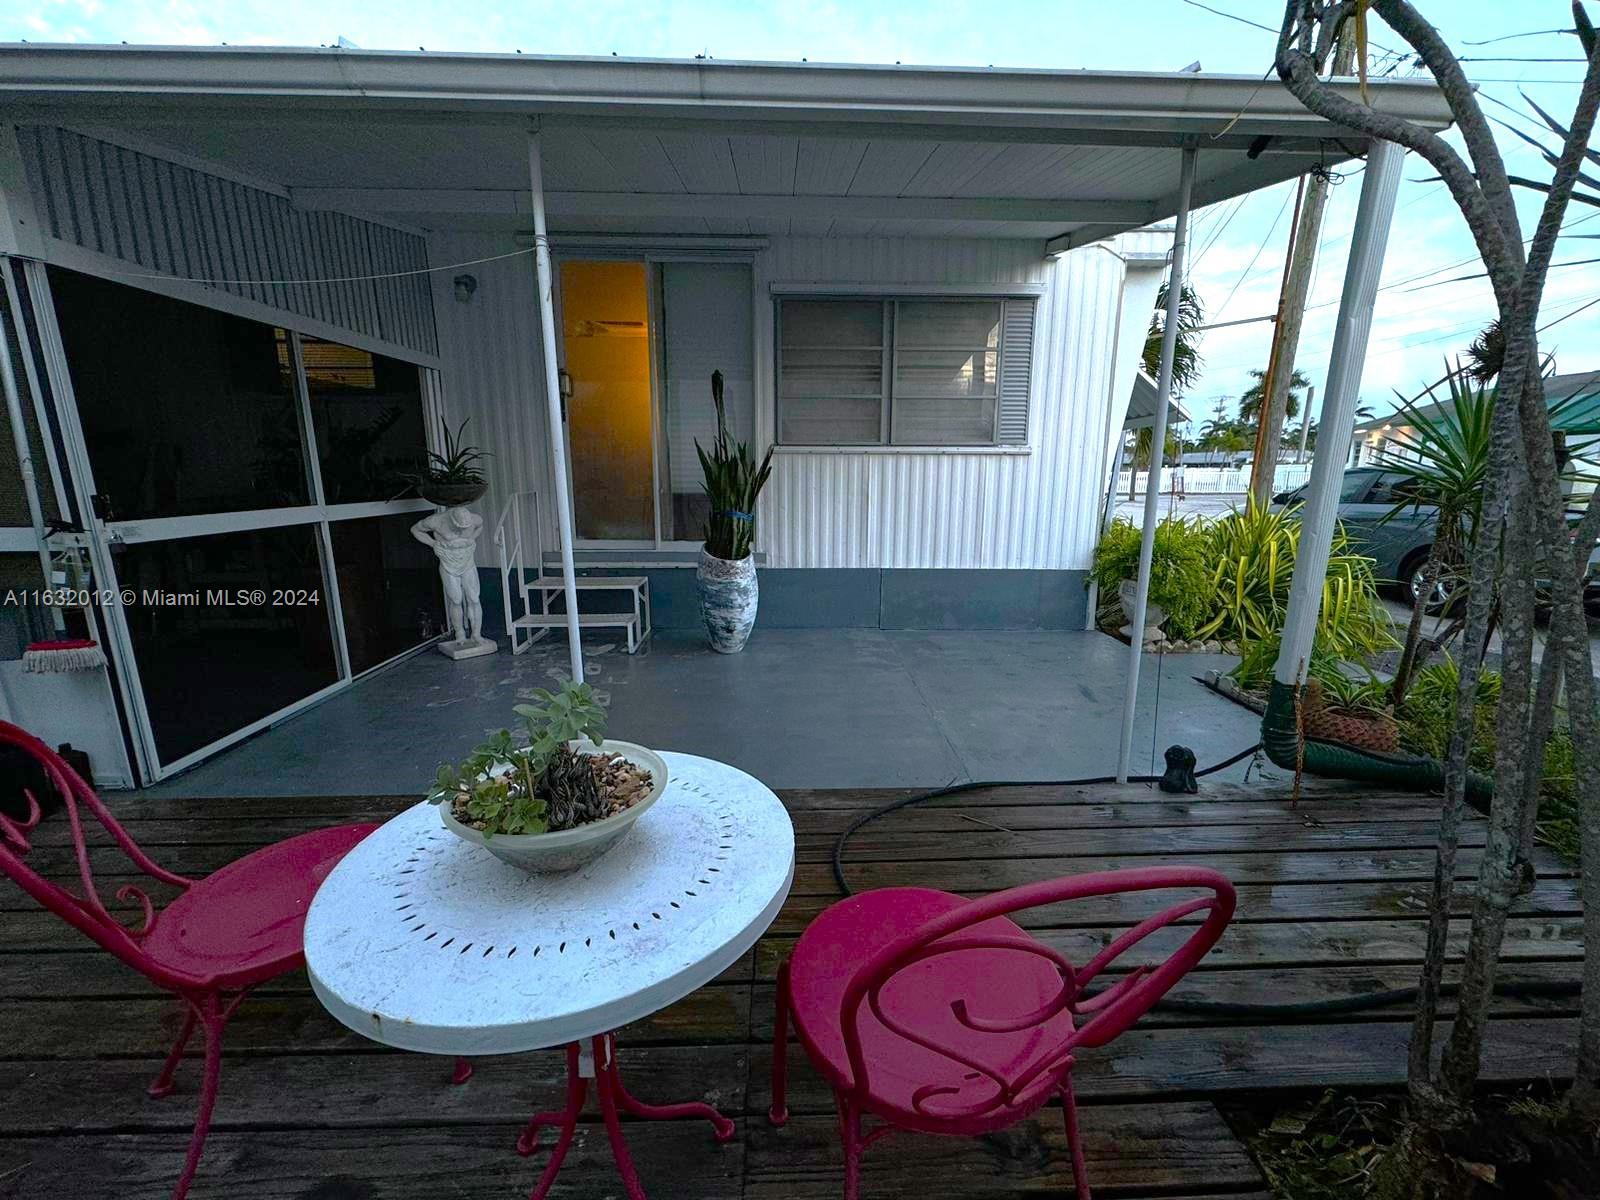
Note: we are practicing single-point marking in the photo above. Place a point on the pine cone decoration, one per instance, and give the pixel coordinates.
(572, 793)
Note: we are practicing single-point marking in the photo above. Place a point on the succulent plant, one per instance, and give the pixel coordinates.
(545, 785)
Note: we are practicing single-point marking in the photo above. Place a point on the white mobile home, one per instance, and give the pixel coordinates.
(246, 288)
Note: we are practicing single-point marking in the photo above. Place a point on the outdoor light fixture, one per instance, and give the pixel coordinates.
(465, 286)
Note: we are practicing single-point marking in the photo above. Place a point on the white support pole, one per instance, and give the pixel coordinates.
(1337, 424)
(1158, 442)
(552, 395)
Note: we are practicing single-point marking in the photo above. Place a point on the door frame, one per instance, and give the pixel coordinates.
(101, 536)
(653, 257)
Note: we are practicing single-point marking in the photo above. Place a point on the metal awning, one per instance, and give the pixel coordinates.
(1143, 402)
(662, 147)
(700, 147)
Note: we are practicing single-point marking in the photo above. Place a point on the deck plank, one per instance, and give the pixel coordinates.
(1128, 1147)
(1332, 896)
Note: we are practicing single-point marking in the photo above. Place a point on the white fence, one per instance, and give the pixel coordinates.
(1214, 481)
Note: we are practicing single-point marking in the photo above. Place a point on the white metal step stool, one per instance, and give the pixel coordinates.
(536, 619)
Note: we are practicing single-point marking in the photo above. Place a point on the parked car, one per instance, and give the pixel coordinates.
(1399, 544)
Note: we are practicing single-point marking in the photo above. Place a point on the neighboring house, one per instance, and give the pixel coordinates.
(247, 287)
(1575, 397)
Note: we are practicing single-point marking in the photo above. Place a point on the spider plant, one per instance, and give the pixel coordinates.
(733, 483)
(455, 463)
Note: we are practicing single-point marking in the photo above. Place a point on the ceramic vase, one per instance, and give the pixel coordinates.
(729, 595)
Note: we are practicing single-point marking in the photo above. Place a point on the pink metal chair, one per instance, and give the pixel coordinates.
(939, 1014)
(218, 938)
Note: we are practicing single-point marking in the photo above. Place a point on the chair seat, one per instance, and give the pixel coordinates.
(996, 984)
(245, 923)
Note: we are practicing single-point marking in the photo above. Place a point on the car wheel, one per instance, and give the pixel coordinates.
(1443, 595)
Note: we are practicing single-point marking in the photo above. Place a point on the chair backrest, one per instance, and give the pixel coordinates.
(1073, 1018)
(84, 909)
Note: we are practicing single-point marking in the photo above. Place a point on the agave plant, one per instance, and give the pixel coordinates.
(733, 483)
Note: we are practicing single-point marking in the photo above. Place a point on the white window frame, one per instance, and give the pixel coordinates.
(653, 253)
(890, 294)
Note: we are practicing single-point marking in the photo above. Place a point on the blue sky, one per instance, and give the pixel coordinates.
(1425, 313)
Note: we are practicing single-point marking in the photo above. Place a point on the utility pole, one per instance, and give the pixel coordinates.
(1305, 425)
(1291, 311)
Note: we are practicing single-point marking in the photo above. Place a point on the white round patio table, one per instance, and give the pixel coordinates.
(420, 940)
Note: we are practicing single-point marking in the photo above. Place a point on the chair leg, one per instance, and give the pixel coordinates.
(1069, 1109)
(778, 1114)
(213, 1017)
(850, 1136)
(163, 1085)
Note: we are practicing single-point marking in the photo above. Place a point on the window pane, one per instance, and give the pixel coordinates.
(831, 421)
(185, 410)
(967, 324)
(944, 373)
(208, 667)
(832, 373)
(928, 421)
(707, 328)
(1354, 486)
(389, 588)
(827, 323)
(367, 413)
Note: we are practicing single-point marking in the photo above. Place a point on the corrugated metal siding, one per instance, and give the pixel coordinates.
(176, 220)
(493, 373)
(1038, 510)
(1034, 510)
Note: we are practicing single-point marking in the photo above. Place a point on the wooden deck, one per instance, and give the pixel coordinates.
(1331, 902)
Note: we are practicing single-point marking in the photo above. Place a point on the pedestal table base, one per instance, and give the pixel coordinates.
(598, 1061)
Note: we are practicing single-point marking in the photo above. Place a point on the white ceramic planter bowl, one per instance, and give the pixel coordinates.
(569, 849)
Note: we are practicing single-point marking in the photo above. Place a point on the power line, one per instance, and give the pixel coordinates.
(1254, 258)
(1510, 37)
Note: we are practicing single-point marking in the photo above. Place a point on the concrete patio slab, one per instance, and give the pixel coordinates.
(798, 708)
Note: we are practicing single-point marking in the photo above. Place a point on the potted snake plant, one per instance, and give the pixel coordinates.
(726, 575)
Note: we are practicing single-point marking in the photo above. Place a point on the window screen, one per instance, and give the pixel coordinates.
(904, 372)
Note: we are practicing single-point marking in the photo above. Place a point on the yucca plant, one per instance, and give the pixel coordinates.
(1442, 460)
(733, 483)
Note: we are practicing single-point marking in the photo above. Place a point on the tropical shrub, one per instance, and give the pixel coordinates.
(1252, 552)
(1180, 581)
(1427, 717)
(1350, 689)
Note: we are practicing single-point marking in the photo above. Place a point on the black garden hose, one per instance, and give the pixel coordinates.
(956, 789)
(1329, 756)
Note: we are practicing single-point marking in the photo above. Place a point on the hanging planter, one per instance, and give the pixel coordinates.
(726, 575)
(453, 477)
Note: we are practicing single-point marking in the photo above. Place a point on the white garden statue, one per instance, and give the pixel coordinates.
(452, 534)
